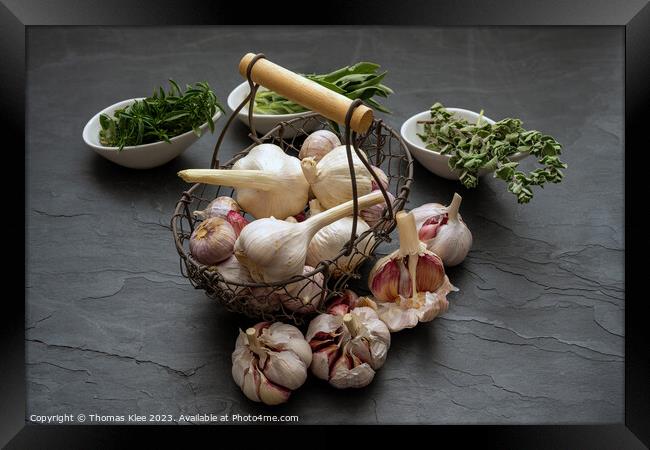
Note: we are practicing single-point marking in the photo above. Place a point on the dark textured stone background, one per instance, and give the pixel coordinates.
(534, 336)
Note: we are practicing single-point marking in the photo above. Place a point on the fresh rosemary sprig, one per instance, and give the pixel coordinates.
(358, 81)
(161, 116)
(484, 146)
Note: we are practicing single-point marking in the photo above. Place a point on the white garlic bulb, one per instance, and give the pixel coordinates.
(410, 284)
(270, 361)
(318, 144)
(443, 230)
(274, 250)
(383, 178)
(329, 242)
(267, 182)
(330, 177)
(348, 349)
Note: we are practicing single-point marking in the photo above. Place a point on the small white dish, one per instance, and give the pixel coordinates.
(263, 122)
(432, 160)
(145, 156)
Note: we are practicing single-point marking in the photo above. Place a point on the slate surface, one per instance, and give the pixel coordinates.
(534, 336)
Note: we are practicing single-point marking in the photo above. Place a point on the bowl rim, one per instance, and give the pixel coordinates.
(95, 118)
(416, 116)
(233, 104)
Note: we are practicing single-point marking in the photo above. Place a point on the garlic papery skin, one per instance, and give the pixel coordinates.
(348, 348)
(270, 361)
(330, 240)
(330, 177)
(212, 241)
(442, 229)
(304, 296)
(219, 207)
(318, 144)
(274, 250)
(267, 182)
(375, 213)
(410, 284)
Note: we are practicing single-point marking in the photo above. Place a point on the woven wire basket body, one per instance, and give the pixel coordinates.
(297, 298)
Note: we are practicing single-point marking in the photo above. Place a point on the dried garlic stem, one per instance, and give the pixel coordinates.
(315, 223)
(257, 179)
(452, 209)
(351, 324)
(253, 343)
(409, 245)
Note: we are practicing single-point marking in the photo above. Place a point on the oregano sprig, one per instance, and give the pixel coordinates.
(480, 145)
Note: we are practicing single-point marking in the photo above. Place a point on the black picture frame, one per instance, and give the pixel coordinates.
(634, 16)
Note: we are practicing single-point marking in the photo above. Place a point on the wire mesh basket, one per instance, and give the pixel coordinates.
(295, 299)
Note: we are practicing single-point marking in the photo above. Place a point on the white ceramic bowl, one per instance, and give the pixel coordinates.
(143, 156)
(263, 122)
(434, 161)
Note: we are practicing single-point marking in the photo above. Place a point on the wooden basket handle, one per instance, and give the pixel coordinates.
(305, 92)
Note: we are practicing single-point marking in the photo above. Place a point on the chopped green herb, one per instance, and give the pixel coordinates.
(484, 146)
(161, 116)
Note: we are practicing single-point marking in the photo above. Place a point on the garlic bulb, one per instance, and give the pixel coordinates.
(270, 361)
(375, 213)
(274, 250)
(219, 207)
(304, 296)
(382, 177)
(258, 299)
(212, 241)
(267, 182)
(443, 230)
(348, 349)
(236, 221)
(410, 284)
(318, 144)
(330, 177)
(342, 303)
(329, 242)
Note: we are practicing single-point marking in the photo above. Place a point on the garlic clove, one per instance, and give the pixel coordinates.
(250, 383)
(323, 360)
(272, 394)
(281, 336)
(430, 272)
(286, 369)
(344, 376)
(212, 241)
(385, 279)
(318, 144)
